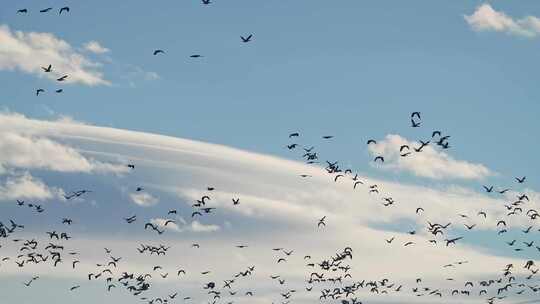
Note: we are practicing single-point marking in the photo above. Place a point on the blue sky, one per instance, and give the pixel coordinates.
(365, 65)
(352, 69)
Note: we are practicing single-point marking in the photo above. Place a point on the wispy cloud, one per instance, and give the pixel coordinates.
(429, 163)
(143, 199)
(29, 51)
(181, 225)
(95, 47)
(34, 152)
(485, 18)
(25, 186)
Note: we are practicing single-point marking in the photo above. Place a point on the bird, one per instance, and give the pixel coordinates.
(295, 134)
(488, 189)
(521, 180)
(321, 222)
(381, 158)
(196, 56)
(45, 10)
(236, 201)
(156, 52)
(48, 69)
(62, 78)
(371, 141)
(38, 91)
(328, 137)
(414, 124)
(417, 114)
(206, 2)
(22, 11)
(59, 90)
(246, 39)
(63, 9)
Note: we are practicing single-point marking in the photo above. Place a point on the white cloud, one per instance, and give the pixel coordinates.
(143, 199)
(429, 163)
(94, 47)
(33, 152)
(485, 18)
(278, 208)
(24, 186)
(29, 51)
(194, 226)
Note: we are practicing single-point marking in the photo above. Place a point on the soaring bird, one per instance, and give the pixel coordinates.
(62, 78)
(45, 10)
(321, 222)
(417, 114)
(206, 2)
(47, 69)
(159, 52)
(414, 124)
(521, 180)
(64, 9)
(39, 91)
(246, 39)
(295, 134)
(22, 11)
(381, 158)
(195, 56)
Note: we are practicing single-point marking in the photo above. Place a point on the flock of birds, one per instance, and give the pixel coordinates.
(330, 276)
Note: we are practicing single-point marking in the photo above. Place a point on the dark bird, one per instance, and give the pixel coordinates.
(22, 11)
(521, 180)
(414, 124)
(39, 91)
(59, 90)
(295, 134)
(47, 69)
(470, 226)
(64, 9)
(452, 241)
(62, 78)
(327, 136)
(379, 158)
(488, 189)
(236, 201)
(159, 52)
(196, 56)
(415, 114)
(45, 10)
(371, 141)
(321, 222)
(246, 39)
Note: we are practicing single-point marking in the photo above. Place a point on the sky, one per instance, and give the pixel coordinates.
(354, 70)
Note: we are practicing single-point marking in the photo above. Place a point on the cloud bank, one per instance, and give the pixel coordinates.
(485, 18)
(29, 51)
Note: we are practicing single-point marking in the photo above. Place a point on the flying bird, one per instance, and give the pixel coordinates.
(246, 39)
